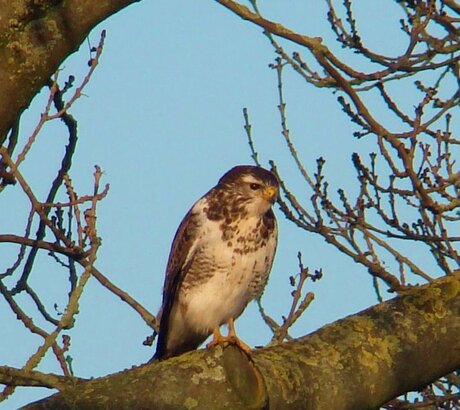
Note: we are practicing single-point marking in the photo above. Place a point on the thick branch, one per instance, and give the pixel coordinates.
(35, 38)
(359, 362)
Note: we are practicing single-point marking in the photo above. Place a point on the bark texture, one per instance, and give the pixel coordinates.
(35, 38)
(359, 362)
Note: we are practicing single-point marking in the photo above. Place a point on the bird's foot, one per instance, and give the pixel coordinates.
(231, 339)
(234, 340)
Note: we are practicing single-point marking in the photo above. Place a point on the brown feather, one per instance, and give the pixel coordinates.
(175, 273)
(191, 265)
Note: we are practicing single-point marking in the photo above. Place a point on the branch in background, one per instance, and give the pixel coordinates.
(412, 192)
(299, 303)
(19, 377)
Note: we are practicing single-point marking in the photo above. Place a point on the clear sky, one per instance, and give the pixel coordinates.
(162, 117)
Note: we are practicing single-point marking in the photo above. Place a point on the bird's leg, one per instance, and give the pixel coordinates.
(231, 328)
(232, 338)
(217, 338)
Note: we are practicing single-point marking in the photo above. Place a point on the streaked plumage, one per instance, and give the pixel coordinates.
(220, 260)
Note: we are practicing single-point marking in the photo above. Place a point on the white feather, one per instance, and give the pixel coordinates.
(227, 292)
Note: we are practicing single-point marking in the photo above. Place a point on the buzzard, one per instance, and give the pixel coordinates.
(220, 259)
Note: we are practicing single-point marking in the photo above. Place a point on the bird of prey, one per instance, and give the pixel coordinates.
(220, 260)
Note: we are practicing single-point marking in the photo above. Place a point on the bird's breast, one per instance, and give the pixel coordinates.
(227, 271)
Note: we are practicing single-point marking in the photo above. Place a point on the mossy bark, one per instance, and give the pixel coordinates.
(359, 362)
(35, 38)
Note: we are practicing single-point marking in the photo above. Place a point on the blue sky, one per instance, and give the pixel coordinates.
(162, 116)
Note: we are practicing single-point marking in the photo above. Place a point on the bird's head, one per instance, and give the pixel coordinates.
(254, 188)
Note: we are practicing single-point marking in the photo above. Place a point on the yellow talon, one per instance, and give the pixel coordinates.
(232, 338)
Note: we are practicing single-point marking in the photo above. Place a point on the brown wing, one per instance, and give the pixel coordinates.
(180, 259)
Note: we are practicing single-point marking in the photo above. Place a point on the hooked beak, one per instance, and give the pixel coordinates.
(270, 193)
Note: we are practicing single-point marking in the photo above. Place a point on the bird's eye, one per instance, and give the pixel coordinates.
(254, 186)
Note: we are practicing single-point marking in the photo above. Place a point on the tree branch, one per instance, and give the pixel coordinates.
(38, 40)
(19, 377)
(385, 345)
